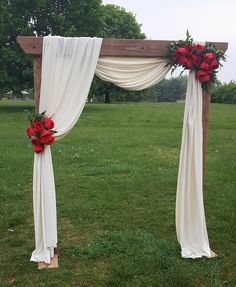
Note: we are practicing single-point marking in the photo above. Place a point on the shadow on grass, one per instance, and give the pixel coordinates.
(15, 109)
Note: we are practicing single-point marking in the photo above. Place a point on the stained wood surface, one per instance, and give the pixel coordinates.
(53, 264)
(37, 66)
(115, 47)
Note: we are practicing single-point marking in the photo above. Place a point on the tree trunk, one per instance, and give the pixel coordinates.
(107, 98)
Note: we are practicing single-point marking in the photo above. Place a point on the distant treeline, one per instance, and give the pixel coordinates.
(225, 93)
(168, 90)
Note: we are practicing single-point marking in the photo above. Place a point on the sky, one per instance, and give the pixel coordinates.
(206, 20)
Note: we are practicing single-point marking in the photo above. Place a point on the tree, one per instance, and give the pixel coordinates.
(55, 17)
(40, 18)
(14, 67)
(225, 93)
(169, 90)
(118, 23)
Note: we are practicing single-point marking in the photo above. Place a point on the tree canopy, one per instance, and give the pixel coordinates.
(54, 17)
(225, 93)
(117, 23)
(40, 18)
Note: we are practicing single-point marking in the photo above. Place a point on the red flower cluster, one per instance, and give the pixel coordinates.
(40, 133)
(192, 57)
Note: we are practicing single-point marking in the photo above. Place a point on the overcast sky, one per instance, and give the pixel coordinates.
(206, 20)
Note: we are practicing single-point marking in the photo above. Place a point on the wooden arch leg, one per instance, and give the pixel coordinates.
(205, 123)
(37, 67)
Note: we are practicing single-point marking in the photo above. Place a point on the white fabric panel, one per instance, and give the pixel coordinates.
(68, 67)
(190, 215)
(132, 74)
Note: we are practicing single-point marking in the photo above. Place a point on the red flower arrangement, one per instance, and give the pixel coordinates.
(40, 132)
(204, 60)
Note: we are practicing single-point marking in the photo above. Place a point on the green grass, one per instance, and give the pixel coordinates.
(116, 176)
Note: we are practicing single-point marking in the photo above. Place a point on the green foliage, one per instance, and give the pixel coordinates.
(225, 93)
(168, 90)
(31, 116)
(117, 23)
(115, 176)
(44, 17)
(171, 90)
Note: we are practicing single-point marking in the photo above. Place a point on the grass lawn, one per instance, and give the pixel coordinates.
(116, 175)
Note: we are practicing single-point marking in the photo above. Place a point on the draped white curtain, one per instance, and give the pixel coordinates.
(68, 67)
(190, 215)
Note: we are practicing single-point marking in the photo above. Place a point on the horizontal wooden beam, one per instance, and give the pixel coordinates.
(115, 47)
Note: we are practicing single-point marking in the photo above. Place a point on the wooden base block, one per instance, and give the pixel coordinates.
(213, 254)
(53, 264)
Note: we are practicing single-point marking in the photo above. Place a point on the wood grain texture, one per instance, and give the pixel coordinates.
(37, 66)
(53, 264)
(115, 47)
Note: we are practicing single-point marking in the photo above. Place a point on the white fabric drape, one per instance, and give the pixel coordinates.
(68, 67)
(190, 215)
(132, 74)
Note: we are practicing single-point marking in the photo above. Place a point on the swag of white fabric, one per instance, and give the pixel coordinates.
(68, 67)
(132, 74)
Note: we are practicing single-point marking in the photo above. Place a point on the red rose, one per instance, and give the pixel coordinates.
(46, 137)
(50, 141)
(201, 73)
(189, 49)
(214, 65)
(38, 127)
(49, 123)
(204, 66)
(199, 59)
(182, 60)
(188, 65)
(209, 57)
(205, 79)
(194, 59)
(181, 52)
(199, 48)
(35, 141)
(30, 132)
(38, 148)
(203, 76)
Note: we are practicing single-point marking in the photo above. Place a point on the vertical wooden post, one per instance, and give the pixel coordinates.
(37, 66)
(205, 120)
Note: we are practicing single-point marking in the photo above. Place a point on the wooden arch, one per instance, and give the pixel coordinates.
(119, 48)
